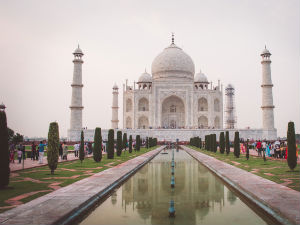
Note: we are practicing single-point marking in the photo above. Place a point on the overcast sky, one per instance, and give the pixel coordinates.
(121, 38)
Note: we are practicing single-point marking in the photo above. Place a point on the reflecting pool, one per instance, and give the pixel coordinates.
(200, 197)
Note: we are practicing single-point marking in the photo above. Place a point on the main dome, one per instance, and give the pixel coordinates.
(173, 64)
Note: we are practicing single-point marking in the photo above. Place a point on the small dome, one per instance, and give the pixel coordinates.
(201, 78)
(145, 78)
(173, 63)
(78, 51)
(229, 86)
(115, 86)
(265, 52)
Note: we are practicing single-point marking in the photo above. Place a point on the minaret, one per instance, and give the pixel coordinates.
(76, 102)
(230, 118)
(115, 108)
(267, 96)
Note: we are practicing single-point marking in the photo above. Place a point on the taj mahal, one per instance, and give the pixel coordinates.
(173, 102)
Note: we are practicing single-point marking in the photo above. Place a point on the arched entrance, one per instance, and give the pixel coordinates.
(173, 113)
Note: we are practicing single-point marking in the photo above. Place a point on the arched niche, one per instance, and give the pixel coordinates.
(143, 104)
(202, 104)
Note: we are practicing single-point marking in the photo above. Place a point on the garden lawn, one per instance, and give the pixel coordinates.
(28, 184)
(274, 170)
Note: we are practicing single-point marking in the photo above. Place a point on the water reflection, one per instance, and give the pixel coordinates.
(199, 197)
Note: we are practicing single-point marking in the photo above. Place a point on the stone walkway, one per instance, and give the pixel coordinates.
(28, 163)
(63, 204)
(279, 201)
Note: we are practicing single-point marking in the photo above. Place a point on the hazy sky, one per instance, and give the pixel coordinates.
(121, 38)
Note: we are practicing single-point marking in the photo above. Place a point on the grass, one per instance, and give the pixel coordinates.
(279, 170)
(68, 172)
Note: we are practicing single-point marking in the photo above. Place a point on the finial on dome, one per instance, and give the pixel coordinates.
(172, 38)
(265, 46)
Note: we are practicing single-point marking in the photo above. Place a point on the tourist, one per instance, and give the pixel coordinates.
(258, 146)
(65, 151)
(60, 151)
(41, 152)
(33, 150)
(264, 146)
(268, 146)
(12, 153)
(20, 153)
(76, 149)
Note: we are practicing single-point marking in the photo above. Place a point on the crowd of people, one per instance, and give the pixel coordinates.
(276, 149)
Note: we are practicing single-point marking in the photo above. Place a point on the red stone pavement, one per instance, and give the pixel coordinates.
(28, 163)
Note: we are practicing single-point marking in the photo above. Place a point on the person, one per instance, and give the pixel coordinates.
(33, 151)
(41, 152)
(60, 151)
(65, 151)
(268, 149)
(20, 153)
(264, 146)
(258, 146)
(12, 153)
(76, 149)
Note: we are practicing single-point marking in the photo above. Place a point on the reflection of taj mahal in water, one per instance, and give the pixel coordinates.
(173, 102)
(148, 192)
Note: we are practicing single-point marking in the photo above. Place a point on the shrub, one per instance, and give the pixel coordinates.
(53, 146)
(124, 141)
(222, 143)
(4, 153)
(291, 151)
(130, 144)
(211, 142)
(110, 144)
(138, 142)
(119, 143)
(227, 144)
(215, 143)
(247, 150)
(236, 144)
(81, 149)
(97, 150)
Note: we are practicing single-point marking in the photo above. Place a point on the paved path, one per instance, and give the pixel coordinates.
(28, 163)
(65, 203)
(264, 193)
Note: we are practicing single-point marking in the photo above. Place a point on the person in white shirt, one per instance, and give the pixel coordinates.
(76, 149)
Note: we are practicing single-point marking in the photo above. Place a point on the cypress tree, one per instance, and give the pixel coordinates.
(227, 144)
(138, 142)
(208, 142)
(222, 143)
(81, 149)
(110, 144)
(53, 146)
(215, 142)
(130, 144)
(147, 142)
(200, 143)
(247, 150)
(4, 152)
(124, 144)
(236, 144)
(205, 142)
(212, 142)
(155, 141)
(291, 151)
(191, 141)
(119, 143)
(97, 150)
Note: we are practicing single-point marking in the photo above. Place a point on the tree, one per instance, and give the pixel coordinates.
(215, 143)
(110, 144)
(81, 149)
(17, 138)
(291, 139)
(236, 144)
(138, 142)
(130, 144)
(53, 146)
(247, 150)
(211, 143)
(11, 134)
(119, 143)
(124, 141)
(4, 153)
(97, 150)
(222, 143)
(227, 144)
(200, 143)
